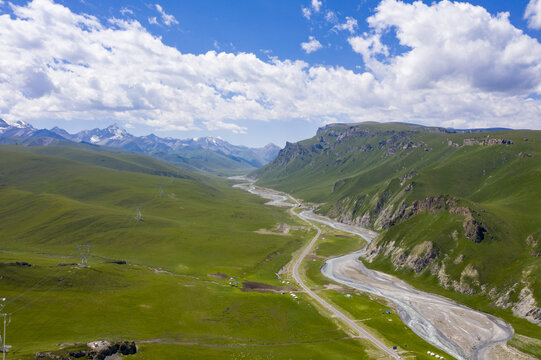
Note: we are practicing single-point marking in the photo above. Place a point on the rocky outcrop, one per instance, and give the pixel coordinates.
(534, 244)
(417, 259)
(487, 142)
(480, 142)
(289, 153)
(526, 306)
(106, 351)
(474, 229)
(522, 155)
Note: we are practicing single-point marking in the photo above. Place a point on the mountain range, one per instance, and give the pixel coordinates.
(207, 154)
(457, 211)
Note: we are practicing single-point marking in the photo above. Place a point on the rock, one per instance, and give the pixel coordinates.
(78, 354)
(526, 306)
(459, 259)
(535, 315)
(534, 244)
(487, 142)
(522, 155)
(118, 262)
(289, 153)
(421, 256)
(128, 348)
(474, 231)
(20, 263)
(469, 280)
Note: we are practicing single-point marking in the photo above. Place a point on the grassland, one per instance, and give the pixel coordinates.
(165, 296)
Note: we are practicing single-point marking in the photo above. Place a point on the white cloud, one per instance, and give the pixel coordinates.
(316, 5)
(461, 67)
(166, 18)
(306, 13)
(533, 14)
(152, 20)
(125, 11)
(350, 25)
(331, 17)
(311, 45)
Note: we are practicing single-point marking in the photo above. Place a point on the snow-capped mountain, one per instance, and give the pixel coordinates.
(204, 153)
(23, 130)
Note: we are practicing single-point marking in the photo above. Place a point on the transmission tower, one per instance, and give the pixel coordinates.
(138, 215)
(7, 320)
(84, 251)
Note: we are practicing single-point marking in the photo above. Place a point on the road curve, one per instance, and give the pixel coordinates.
(278, 199)
(456, 329)
(362, 332)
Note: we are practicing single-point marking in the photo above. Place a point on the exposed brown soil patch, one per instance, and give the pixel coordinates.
(262, 287)
(219, 275)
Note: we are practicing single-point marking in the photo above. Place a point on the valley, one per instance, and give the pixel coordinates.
(456, 329)
(183, 262)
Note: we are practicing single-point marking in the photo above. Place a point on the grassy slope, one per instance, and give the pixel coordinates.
(201, 161)
(207, 161)
(192, 227)
(493, 180)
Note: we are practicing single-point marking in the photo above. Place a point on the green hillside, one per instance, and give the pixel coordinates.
(458, 212)
(206, 161)
(160, 281)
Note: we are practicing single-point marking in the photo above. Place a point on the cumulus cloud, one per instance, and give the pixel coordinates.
(461, 67)
(533, 14)
(451, 43)
(316, 5)
(350, 25)
(311, 45)
(166, 18)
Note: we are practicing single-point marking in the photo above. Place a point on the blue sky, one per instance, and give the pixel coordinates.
(339, 75)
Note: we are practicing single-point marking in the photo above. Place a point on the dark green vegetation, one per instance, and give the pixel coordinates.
(458, 212)
(165, 296)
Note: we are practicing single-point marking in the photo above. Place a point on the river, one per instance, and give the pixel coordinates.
(460, 331)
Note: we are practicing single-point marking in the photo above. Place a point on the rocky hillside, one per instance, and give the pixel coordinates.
(459, 208)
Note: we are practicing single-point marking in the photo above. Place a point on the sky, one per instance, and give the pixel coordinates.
(254, 72)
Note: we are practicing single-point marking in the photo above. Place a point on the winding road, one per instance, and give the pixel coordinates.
(351, 323)
(456, 329)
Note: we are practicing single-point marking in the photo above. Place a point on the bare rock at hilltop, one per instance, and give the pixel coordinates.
(474, 231)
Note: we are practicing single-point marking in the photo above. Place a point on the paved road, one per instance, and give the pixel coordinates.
(351, 323)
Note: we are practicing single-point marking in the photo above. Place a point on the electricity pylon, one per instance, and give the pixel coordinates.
(84, 251)
(7, 320)
(138, 215)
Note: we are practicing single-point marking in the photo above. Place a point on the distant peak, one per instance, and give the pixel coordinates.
(21, 124)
